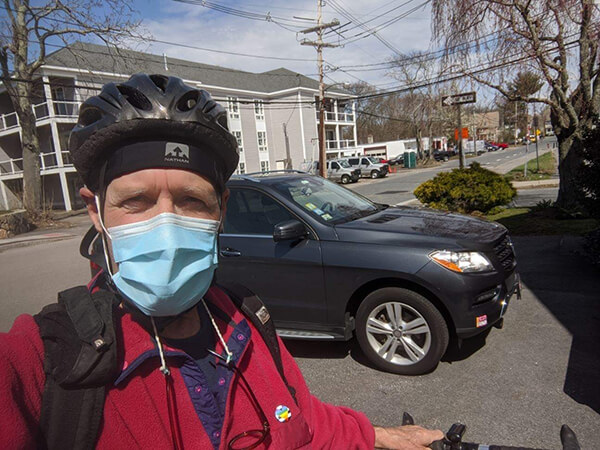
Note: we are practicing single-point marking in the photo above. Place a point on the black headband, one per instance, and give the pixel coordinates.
(163, 154)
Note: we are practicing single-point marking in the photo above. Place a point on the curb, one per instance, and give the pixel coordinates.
(555, 182)
(29, 240)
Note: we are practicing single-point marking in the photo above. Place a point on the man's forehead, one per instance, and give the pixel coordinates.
(158, 179)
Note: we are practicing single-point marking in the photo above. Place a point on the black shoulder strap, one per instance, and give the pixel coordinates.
(80, 360)
(254, 309)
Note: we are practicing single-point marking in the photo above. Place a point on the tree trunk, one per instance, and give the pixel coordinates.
(32, 180)
(568, 169)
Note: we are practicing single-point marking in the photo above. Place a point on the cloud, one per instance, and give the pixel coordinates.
(199, 26)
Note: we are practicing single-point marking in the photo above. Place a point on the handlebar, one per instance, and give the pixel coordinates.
(453, 439)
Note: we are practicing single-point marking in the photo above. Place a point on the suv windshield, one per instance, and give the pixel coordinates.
(325, 200)
(373, 160)
(345, 164)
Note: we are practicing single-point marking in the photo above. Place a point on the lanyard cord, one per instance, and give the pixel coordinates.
(170, 393)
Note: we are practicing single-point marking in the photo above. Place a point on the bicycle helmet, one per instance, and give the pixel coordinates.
(151, 121)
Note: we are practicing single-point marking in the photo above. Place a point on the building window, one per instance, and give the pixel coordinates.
(233, 106)
(238, 137)
(241, 168)
(262, 141)
(259, 111)
(264, 166)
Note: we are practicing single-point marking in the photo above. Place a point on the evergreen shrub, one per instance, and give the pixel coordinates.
(466, 190)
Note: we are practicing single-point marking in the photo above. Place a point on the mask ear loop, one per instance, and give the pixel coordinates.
(106, 234)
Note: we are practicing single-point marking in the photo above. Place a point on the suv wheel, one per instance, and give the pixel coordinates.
(400, 331)
(345, 179)
(375, 174)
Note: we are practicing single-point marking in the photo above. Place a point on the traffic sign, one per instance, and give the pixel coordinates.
(459, 99)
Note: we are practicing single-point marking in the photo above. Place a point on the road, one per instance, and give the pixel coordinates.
(398, 188)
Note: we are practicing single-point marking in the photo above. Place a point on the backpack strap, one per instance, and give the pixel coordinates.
(255, 310)
(80, 359)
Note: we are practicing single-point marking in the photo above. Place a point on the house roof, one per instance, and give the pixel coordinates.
(99, 58)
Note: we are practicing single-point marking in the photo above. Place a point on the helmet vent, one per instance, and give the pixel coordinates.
(160, 81)
(188, 101)
(89, 116)
(135, 97)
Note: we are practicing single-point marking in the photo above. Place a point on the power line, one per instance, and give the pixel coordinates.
(268, 17)
(178, 44)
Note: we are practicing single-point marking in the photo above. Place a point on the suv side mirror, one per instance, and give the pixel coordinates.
(289, 230)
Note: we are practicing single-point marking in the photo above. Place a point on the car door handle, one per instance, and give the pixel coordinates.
(228, 252)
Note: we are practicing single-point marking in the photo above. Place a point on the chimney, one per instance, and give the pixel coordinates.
(370, 139)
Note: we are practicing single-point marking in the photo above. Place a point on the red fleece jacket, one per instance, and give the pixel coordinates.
(136, 414)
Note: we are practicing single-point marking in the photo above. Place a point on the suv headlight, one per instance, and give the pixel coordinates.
(462, 262)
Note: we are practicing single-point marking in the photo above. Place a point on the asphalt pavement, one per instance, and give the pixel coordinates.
(397, 188)
(514, 386)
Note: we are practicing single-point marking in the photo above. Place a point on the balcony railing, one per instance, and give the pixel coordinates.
(341, 144)
(330, 116)
(41, 111)
(14, 166)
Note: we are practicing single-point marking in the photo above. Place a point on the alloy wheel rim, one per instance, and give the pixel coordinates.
(398, 333)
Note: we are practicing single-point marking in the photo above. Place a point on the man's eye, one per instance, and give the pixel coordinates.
(136, 201)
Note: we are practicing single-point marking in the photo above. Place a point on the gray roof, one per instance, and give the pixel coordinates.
(101, 58)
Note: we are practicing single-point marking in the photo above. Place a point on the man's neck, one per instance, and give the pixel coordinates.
(185, 326)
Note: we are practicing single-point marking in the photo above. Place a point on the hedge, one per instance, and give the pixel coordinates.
(466, 190)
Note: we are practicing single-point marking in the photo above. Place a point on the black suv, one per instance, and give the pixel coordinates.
(331, 264)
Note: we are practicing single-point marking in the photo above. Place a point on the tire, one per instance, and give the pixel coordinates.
(404, 359)
(345, 179)
(375, 174)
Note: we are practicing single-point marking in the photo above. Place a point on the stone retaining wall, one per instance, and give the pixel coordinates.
(13, 223)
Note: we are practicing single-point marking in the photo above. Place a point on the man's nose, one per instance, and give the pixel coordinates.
(165, 205)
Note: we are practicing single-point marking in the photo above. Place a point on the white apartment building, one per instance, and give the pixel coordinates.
(264, 109)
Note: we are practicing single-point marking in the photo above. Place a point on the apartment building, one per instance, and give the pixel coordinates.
(272, 114)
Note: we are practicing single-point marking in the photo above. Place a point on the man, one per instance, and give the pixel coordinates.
(174, 363)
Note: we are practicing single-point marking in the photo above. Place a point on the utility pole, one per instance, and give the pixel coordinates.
(319, 45)
(461, 151)
(288, 158)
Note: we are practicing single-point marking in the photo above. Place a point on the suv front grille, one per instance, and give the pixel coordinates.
(504, 252)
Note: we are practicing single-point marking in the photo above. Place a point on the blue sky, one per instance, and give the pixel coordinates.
(177, 22)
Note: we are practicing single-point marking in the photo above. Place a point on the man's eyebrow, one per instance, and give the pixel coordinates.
(200, 192)
(132, 192)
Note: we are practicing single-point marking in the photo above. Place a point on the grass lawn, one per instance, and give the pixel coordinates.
(547, 169)
(547, 221)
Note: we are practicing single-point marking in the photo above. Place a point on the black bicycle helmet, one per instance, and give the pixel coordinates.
(151, 121)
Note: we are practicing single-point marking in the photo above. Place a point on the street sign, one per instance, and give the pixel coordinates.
(459, 99)
(465, 134)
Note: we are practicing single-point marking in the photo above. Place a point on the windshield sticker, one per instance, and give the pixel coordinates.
(304, 181)
(319, 211)
(311, 206)
(326, 216)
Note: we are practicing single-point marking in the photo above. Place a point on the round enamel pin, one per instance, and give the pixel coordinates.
(283, 413)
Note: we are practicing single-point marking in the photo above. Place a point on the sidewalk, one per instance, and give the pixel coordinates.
(69, 225)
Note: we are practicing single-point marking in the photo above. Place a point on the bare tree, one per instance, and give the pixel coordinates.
(28, 29)
(422, 105)
(558, 39)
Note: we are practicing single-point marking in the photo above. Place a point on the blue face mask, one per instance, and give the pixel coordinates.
(166, 264)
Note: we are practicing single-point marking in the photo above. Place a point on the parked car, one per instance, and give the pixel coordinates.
(332, 265)
(501, 145)
(369, 166)
(337, 170)
(442, 155)
(397, 160)
(491, 147)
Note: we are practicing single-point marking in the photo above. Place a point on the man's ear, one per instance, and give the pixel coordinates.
(90, 203)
